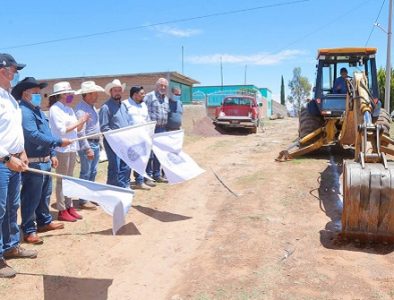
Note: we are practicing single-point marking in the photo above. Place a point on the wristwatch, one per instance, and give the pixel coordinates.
(7, 158)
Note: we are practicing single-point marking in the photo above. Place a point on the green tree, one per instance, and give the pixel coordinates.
(300, 89)
(381, 86)
(282, 92)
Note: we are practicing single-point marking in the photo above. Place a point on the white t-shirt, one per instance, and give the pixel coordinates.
(11, 130)
(137, 111)
(61, 117)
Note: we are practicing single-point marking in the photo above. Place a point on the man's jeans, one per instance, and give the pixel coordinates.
(89, 167)
(153, 168)
(139, 179)
(119, 172)
(10, 183)
(35, 197)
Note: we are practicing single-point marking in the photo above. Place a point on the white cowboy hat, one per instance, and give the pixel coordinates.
(62, 87)
(89, 87)
(112, 84)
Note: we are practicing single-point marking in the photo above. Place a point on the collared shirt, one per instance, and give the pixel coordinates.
(61, 117)
(39, 141)
(113, 115)
(175, 114)
(11, 133)
(138, 112)
(92, 126)
(157, 108)
(340, 86)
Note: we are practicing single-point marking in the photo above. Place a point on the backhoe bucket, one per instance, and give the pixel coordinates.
(368, 202)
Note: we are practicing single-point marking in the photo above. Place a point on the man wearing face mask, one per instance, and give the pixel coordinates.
(40, 148)
(176, 110)
(13, 160)
(113, 115)
(157, 103)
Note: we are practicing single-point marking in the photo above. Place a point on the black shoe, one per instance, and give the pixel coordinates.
(161, 179)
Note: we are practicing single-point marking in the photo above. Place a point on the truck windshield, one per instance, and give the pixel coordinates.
(331, 73)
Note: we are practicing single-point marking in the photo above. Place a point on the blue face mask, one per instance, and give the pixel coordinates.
(176, 98)
(15, 81)
(36, 99)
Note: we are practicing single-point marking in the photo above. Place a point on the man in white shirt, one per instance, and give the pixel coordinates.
(13, 160)
(138, 112)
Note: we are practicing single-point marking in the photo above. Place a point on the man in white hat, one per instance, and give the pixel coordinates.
(89, 149)
(113, 115)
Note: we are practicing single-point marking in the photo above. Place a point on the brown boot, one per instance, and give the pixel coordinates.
(33, 238)
(5, 270)
(50, 226)
(19, 252)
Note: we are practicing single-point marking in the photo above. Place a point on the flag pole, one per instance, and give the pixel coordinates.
(78, 179)
(112, 131)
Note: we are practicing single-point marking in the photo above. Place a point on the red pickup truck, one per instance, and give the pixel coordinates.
(239, 111)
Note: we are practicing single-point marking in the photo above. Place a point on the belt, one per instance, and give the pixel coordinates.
(39, 159)
(94, 140)
(17, 155)
(161, 126)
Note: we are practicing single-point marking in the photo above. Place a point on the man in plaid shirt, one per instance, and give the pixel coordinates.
(158, 108)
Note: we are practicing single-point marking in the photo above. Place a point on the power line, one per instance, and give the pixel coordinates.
(374, 24)
(156, 24)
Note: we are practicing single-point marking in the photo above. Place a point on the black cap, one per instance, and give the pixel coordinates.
(135, 89)
(343, 70)
(6, 60)
(25, 84)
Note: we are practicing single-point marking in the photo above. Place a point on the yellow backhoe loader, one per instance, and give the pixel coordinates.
(345, 110)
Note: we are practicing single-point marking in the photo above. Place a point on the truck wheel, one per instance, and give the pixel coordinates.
(253, 130)
(308, 123)
(384, 120)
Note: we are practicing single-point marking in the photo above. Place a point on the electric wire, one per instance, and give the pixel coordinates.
(373, 25)
(84, 36)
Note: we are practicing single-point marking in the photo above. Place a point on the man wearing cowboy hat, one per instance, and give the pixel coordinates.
(89, 149)
(13, 160)
(113, 115)
(40, 148)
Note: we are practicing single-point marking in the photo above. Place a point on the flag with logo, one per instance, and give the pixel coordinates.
(177, 165)
(115, 201)
(133, 144)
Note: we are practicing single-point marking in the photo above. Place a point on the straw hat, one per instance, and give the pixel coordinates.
(62, 87)
(112, 84)
(89, 87)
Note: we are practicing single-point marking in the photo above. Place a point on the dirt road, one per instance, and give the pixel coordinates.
(272, 238)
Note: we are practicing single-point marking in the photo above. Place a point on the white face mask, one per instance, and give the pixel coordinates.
(15, 81)
(176, 97)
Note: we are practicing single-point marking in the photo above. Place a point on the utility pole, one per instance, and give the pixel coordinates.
(221, 71)
(388, 62)
(246, 69)
(183, 60)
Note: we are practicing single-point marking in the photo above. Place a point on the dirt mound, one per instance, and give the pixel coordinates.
(204, 127)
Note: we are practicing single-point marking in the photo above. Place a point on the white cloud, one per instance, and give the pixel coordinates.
(177, 32)
(253, 59)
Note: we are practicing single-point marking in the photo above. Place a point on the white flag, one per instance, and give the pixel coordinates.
(133, 144)
(115, 201)
(177, 165)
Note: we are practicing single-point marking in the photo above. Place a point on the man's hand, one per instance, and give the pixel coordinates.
(54, 161)
(90, 154)
(65, 142)
(23, 157)
(16, 164)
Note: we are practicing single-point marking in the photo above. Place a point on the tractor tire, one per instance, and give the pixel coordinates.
(384, 119)
(308, 123)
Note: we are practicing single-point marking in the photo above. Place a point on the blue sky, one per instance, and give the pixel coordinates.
(270, 39)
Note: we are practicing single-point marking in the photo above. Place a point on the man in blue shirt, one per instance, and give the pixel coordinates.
(340, 86)
(176, 110)
(39, 146)
(157, 103)
(113, 115)
(89, 149)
